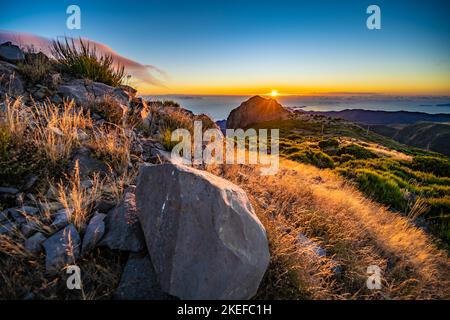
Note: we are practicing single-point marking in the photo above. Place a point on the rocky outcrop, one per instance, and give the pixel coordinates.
(11, 53)
(10, 81)
(202, 234)
(254, 110)
(123, 231)
(86, 93)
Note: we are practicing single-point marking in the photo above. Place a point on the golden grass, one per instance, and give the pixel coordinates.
(56, 128)
(13, 119)
(354, 231)
(77, 199)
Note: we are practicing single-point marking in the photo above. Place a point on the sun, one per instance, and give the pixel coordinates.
(274, 93)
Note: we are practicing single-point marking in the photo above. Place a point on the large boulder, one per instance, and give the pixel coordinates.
(255, 110)
(202, 234)
(11, 53)
(86, 93)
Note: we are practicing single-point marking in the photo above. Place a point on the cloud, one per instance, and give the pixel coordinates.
(144, 74)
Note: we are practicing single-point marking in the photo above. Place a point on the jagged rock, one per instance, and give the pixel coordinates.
(3, 216)
(202, 234)
(138, 281)
(10, 80)
(31, 180)
(34, 243)
(8, 190)
(61, 218)
(29, 228)
(123, 231)
(87, 164)
(94, 232)
(51, 206)
(62, 248)
(11, 53)
(104, 205)
(7, 227)
(254, 110)
(310, 245)
(20, 214)
(87, 93)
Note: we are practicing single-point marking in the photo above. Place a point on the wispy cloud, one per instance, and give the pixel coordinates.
(143, 74)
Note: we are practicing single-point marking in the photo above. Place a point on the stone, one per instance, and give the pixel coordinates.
(3, 215)
(94, 232)
(10, 81)
(7, 227)
(21, 214)
(310, 245)
(34, 244)
(87, 164)
(30, 181)
(87, 93)
(29, 228)
(138, 281)
(123, 231)
(8, 190)
(255, 110)
(11, 53)
(61, 218)
(202, 234)
(61, 249)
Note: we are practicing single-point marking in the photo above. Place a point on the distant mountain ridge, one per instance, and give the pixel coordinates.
(384, 117)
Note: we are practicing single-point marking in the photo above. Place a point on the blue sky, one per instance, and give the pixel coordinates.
(249, 46)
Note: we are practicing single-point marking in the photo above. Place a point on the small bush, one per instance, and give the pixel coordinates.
(36, 68)
(316, 158)
(357, 151)
(381, 188)
(330, 143)
(438, 166)
(84, 61)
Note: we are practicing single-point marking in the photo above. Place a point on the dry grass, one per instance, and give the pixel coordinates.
(13, 119)
(56, 129)
(354, 231)
(112, 145)
(77, 199)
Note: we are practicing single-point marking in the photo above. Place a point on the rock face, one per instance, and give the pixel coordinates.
(139, 281)
(87, 92)
(123, 231)
(254, 110)
(34, 243)
(202, 235)
(11, 53)
(62, 248)
(94, 232)
(10, 80)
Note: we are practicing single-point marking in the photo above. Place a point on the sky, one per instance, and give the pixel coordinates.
(254, 47)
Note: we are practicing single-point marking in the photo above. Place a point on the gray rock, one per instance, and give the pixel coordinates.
(87, 93)
(11, 53)
(30, 182)
(8, 190)
(61, 249)
(3, 216)
(10, 80)
(138, 281)
(21, 214)
(29, 228)
(87, 164)
(202, 234)
(34, 244)
(7, 227)
(123, 231)
(61, 218)
(94, 232)
(310, 245)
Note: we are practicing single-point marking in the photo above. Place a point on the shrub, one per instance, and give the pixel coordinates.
(381, 188)
(438, 166)
(357, 151)
(330, 143)
(84, 61)
(36, 68)
(316, 158)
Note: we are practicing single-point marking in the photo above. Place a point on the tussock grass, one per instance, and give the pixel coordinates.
(56, 129)
(355, 232)
(36, 68)
(77, 199)
(83, 60)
